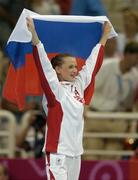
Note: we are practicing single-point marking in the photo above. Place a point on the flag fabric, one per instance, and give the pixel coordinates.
(76, 35)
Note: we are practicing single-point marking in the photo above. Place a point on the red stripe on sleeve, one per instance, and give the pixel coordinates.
(90, 89)
(44, 83)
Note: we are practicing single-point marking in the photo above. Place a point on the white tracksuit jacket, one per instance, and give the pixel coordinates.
(64, 102)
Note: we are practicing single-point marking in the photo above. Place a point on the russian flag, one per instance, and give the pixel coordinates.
(76, 35)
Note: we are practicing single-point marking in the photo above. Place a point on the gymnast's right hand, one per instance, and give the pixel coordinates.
(31, 28)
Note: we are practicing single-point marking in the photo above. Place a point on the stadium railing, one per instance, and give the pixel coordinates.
(99, 116)
(7, 134)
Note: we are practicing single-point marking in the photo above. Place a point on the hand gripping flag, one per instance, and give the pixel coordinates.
(76, 35)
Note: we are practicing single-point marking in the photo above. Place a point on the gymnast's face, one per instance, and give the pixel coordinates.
(68, 70)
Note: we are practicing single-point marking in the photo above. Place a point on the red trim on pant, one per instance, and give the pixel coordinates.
(50, 172)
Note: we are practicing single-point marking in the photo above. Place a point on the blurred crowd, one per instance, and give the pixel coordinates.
(116, 85)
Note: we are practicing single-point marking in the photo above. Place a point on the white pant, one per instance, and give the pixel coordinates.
(62, 167)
